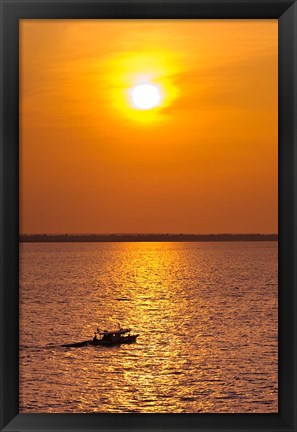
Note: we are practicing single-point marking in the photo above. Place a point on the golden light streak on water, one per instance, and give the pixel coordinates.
(206, 314)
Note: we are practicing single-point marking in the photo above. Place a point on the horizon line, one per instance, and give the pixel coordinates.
(146, 234)
(145, 238)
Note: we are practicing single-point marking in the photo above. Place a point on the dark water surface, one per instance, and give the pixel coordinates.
(206, 314)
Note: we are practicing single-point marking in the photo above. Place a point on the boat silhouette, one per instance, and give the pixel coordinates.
(107, 338)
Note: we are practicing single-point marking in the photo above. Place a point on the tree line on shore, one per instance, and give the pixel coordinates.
(146, 237)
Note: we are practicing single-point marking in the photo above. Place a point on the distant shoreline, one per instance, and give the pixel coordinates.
(85, 238)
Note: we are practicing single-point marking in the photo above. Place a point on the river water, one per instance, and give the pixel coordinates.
(206, 314)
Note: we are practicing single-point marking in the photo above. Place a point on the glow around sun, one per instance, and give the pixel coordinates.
(145, 96)
(141, 85)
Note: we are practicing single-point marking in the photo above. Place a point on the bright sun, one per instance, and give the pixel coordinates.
(145, 96)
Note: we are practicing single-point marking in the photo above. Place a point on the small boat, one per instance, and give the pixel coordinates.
(114, 337)
(107, 338)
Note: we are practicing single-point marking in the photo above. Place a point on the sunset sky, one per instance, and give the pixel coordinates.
(203, 160)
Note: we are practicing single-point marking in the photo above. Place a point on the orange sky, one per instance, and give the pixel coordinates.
(204, 161)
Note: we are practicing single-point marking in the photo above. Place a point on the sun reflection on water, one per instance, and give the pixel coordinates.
(203, 346)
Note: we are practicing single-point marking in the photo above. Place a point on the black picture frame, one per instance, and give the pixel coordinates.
(286, 13)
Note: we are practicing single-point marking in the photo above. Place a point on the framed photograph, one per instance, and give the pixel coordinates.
(148, 215)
